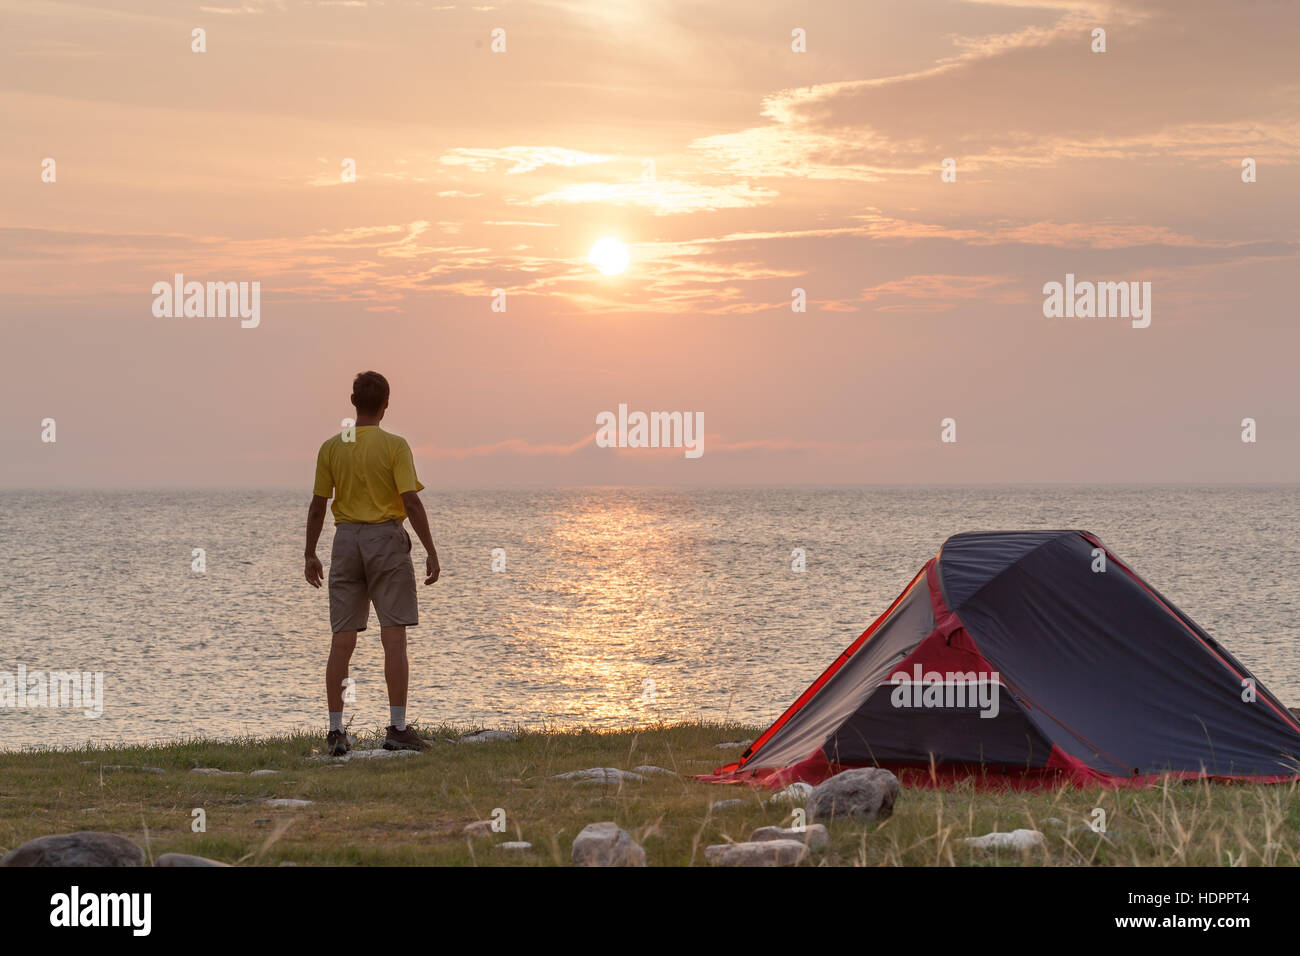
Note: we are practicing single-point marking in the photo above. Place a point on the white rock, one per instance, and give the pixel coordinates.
(289, 802)
(646, 770)
(488, 736)
(1021, 840)
(726, 805)
(762, 853)
(606, 844)
(600, 775)
(515, 846)
(379, 753)
(734, 745)
(263, 773)
(214, 772)
(376, 754)
(797, 793)
(814, 835)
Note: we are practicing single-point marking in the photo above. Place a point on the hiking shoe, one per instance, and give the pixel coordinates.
(336, 743)
(407, 739)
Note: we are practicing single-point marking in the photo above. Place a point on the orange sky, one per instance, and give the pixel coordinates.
(479, 170)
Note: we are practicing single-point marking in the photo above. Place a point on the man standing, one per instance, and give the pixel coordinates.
(371, 476)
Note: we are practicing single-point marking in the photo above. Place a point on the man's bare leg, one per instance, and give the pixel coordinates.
(397, 671)
(336, 670)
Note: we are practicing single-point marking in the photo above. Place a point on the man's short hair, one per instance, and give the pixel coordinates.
(369, 392)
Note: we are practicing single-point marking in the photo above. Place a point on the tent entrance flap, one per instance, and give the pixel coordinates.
(900, 722)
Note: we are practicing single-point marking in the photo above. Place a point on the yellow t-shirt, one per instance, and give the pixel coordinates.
(366, 477)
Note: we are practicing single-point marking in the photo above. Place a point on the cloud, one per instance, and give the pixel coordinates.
(232, 11)
(1039, 95)
(940, 293)
(519, 159)
(662, 197)
(508, 446)
(786, 151)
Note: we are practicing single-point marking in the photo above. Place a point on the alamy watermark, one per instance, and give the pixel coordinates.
(651, 430)
(80, 690)
(948, 690)
(128, 910)
(1098, 300)
(213, 300)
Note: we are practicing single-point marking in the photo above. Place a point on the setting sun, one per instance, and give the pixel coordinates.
(609, 255)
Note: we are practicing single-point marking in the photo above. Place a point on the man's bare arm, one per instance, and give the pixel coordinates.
(315, 521)
(420, 522)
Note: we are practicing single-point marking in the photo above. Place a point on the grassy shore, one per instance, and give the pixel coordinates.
(411, 810)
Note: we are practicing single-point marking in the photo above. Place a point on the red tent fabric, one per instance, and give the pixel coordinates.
(1025, 659)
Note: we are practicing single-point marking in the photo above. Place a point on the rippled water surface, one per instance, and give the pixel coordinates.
(604, 590)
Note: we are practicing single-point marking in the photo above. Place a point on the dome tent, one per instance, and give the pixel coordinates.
(1024, 659)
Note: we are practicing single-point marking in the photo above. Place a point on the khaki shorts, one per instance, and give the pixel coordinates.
(372, 562)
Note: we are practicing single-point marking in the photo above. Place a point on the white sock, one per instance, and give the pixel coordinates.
(397, 716)
(336, 720)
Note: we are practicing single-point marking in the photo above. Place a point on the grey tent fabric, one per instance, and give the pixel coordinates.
(1116, 678)
(848, 689)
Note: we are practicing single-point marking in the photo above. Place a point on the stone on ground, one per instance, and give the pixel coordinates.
(600, 775)
(1021, 840)
(761, 853)
(606, 844)
(814, 835)
(84, 848)
(866, 794)
(726, 805)
(797, 793)
(646, 770)
(488, 736)
(377, 754)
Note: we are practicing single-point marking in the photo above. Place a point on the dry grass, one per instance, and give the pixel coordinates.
(411, 810)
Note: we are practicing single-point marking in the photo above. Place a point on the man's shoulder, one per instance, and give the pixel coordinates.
(330, 442)
(397, 441)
